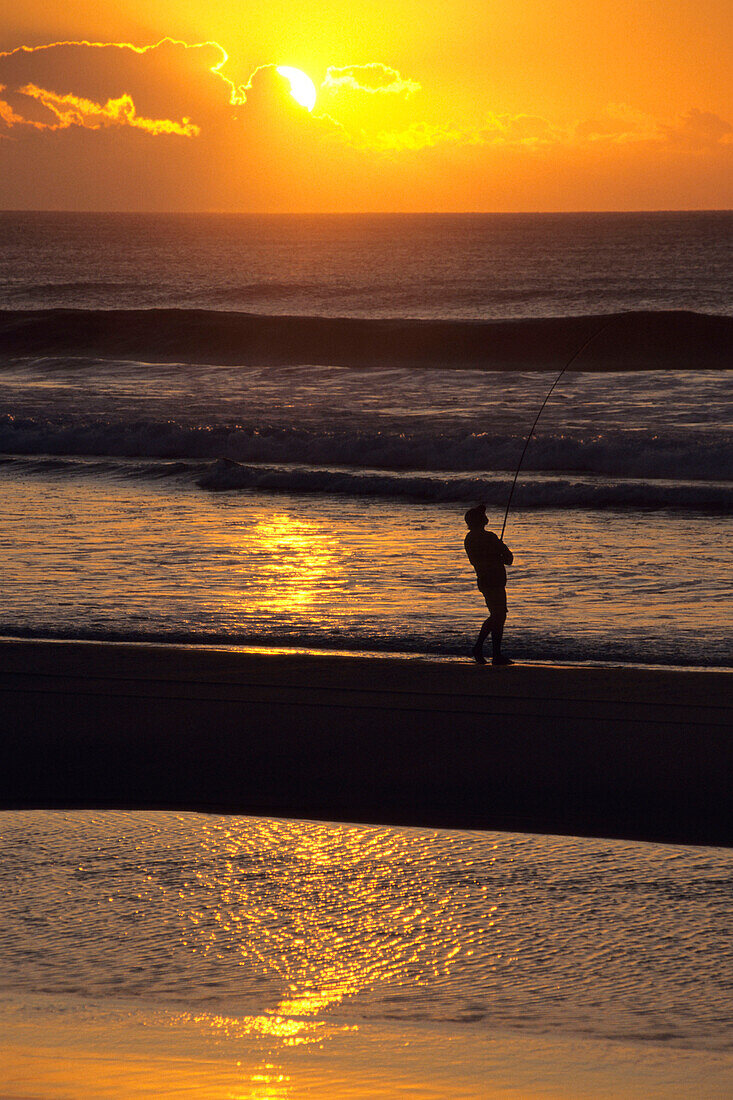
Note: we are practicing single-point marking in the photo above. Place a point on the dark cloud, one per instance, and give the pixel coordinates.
(168, 88)
(112, 127)
(169, 80)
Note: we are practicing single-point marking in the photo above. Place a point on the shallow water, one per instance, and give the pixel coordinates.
(339, 524)
(101, 555)
(313, 959)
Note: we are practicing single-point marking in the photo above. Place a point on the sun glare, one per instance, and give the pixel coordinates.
(302, 88)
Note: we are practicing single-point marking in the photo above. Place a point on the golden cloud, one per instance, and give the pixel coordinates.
(373, 78)
(71, 110)
(419, 135)
(224, 143)
(7, 114)
(619, 125)
(179, 89)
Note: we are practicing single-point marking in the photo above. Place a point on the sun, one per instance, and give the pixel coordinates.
(302, 88)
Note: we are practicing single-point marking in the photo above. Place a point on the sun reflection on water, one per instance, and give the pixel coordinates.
(296, 562)
(181, 954)
(315, 915)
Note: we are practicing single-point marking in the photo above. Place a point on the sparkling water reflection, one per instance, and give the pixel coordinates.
(215, 937)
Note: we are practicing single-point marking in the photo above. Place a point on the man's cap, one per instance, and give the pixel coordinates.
(475, 517)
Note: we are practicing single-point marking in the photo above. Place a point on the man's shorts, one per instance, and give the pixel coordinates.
(495, 600)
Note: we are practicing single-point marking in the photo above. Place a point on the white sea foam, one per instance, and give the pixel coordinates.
(691, 469)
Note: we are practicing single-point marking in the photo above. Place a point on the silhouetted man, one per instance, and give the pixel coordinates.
(488, 555)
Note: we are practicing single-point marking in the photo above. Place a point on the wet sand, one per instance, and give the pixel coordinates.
(379, 1063)
(635, 753)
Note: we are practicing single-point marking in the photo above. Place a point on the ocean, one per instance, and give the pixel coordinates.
(264, 431)
(182, 473)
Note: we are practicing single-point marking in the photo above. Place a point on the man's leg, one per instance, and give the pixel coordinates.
(497, 633)
(496, 603)
(478, 649)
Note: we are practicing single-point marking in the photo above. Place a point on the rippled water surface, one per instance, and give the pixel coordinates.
(323, 506)
(280, 947)
(474, 265)
(100, 554)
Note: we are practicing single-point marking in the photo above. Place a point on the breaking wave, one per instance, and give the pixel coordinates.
(534, 490)
(701, 455)
(628, 341)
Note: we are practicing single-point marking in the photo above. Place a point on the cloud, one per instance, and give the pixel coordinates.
(520, 131)
(699, 130)
(79, 120)
(7, 115)
(619, 124)
(268, 92)
(169, 88)
(71, 110)
(417, 136)
(529, 131)
(157, 88)
(181, 90)
(372, 78)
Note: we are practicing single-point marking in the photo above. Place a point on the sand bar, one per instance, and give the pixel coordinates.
(618, 752)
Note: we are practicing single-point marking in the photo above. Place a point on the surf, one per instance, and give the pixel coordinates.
(643, 340)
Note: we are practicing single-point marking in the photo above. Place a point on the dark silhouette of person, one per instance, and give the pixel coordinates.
(488, 555)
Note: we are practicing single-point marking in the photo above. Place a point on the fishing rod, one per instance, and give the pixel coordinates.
(569, 364)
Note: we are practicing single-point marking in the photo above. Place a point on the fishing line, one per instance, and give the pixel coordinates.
(569, 363)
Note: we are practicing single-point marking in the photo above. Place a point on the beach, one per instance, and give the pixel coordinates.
(366, 547)
(613, 752)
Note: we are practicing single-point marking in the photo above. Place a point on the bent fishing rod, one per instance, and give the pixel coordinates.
(567, 366)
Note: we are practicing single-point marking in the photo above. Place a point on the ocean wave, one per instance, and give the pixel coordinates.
(73, 291)
(269, 289)
(628, 341)
(531, 492)
(698, 454)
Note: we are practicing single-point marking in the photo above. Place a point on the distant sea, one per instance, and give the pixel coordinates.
(371, 265)
(173, 467)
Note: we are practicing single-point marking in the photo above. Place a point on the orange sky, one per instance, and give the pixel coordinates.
(472, 105)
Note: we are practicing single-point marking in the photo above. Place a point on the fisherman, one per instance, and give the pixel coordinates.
(488, 555)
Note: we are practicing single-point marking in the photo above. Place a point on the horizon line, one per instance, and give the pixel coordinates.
(372, 213)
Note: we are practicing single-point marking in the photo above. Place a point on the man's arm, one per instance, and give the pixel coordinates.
(506, 555)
